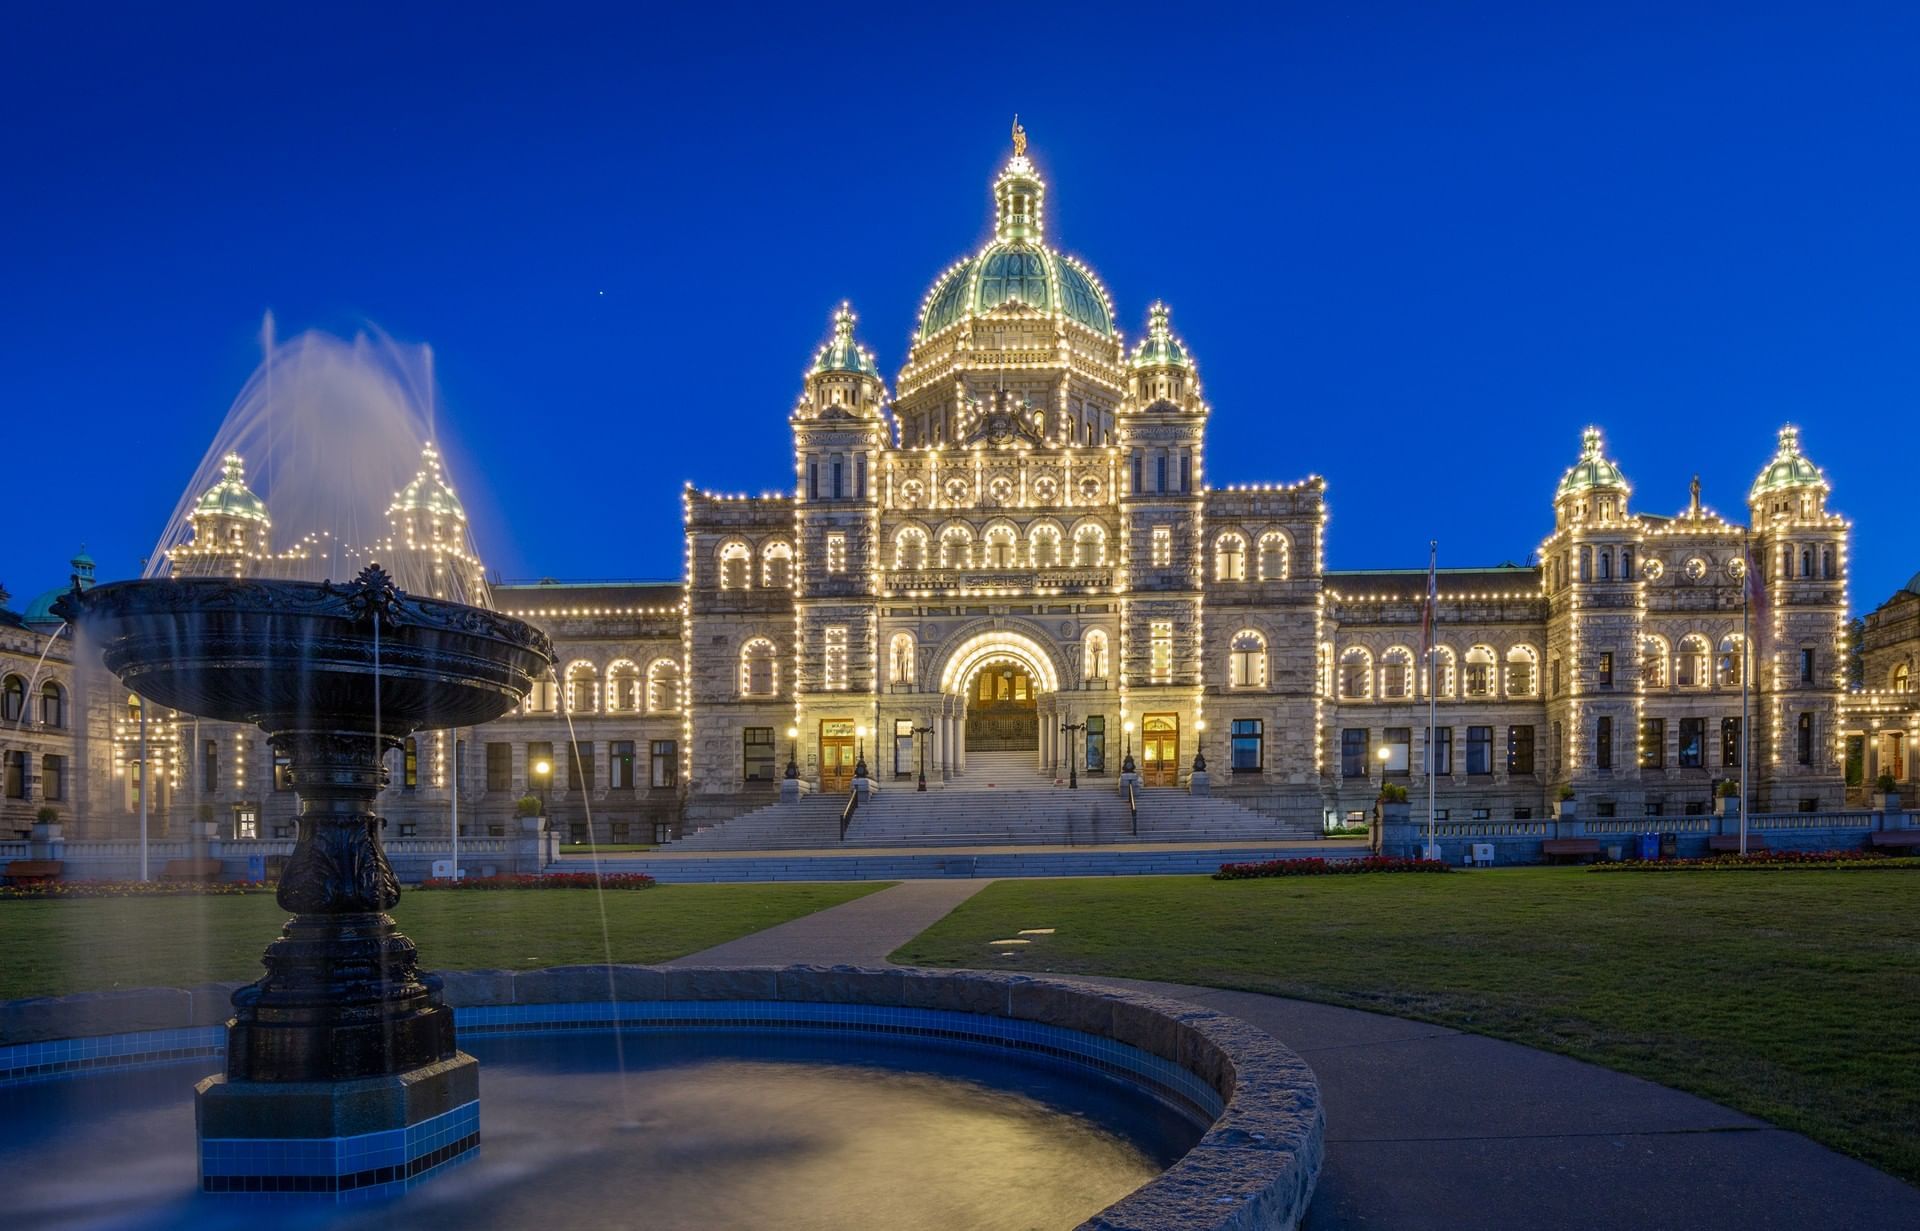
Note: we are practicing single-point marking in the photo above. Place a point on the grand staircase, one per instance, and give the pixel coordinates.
(1000, 801)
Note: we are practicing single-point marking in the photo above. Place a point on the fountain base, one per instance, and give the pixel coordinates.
(364, 1138)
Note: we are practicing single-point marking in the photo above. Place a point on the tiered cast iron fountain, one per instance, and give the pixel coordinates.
(342, 1069)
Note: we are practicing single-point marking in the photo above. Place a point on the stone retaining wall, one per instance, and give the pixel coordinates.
(1255, 1167)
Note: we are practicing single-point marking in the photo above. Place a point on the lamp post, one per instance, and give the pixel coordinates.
(1385, 754)
(860, 751)
(793, 756)
(923, 733)
(542, 771)
(1070, 730)
(1126, 762)
(1200, 745)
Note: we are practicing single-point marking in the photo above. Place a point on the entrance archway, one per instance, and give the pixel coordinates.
(1001, 715)
(999, 684)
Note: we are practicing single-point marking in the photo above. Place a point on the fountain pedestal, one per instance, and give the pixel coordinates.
(343, 1074)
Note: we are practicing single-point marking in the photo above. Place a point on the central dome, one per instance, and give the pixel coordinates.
(1016, 268)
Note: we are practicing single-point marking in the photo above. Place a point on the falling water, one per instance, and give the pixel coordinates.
(26, 706)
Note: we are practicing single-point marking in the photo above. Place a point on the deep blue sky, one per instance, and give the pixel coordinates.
(1414, 247)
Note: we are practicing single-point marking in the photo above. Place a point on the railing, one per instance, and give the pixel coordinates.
(846, 813)
(1063, 577)
(1490, 829)
(1651, 824)
(1133, 807)
(1810, 820)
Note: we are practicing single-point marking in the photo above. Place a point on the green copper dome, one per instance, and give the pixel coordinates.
(231, 497)
(842, 353)
(1593, 470)
(1788, 469)
(1016, 266)
(1160, 349)
(429, 490)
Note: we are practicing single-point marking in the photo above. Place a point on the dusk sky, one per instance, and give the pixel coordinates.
(1415, 248)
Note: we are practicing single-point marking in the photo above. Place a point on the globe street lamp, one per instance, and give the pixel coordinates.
(793, 759)
(542, 771)
(923, 733)
(1126, 762)
(1070, 730)
(860, 751)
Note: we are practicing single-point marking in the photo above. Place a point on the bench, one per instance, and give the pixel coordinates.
(1729, 843)
(1570, 848)
(1894, 839)
(32, 871)
(191, 870)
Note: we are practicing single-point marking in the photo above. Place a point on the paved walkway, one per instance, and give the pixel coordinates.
(1434, 1128)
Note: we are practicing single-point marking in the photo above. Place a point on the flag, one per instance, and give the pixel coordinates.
(1427, 618)
(1757, 593)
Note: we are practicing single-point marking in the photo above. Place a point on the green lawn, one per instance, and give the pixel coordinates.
(1794, 996)
(89, 944)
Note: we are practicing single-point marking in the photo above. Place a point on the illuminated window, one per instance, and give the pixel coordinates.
(1443, 670)
(1902, 678)
(956, 547)
(663, 686)
(1396, 673)
(1229, 558)
(735, 566)
(13, 699)
(1275, 562)
(1247, 660)
(1479, 673)
(1356, 674)
(1522, 678)
(1000, 547)
(1653, 661)
(1090, 545)
(1162, 546)
(776, 565)
(1043, 542)
(623, 687)
(1160, 649)
(834, 660)
(582, 688)
(1690, 664)
(540, 697)
(910, 548)
(759, 669)
(53, 705)
(1653, 743)
(836, 553)
(1733, 660)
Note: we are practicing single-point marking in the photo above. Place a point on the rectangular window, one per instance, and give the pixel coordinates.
(1096, 743)
(1653, 808)
(1479, 750)
(1519, 750)
(499, 767)
(1604, 807)
(210, 766)
(1481, 814)
(1553, 677)
(1353, 752)
(540, 767)
(1443, 750)
(1693, 743)
(839, 485)
(620, 765)
(1653, 743)
(813, 480)
(859, 478)
(1162, 546)
(619, 831)
(835, 660)
(836, 553)
(1160, 473)
(666, 763)
(1559, 750)
(580, 770)
(1248, 741)
(1806, 666)
(282, 771)
(756, 754)
(1803, 739)
(1605, 672)
(409, 764)
(1136, 474)
(1603, 742)
(1161, 649)
(17, 774)
(246, 823)
(1730, 742)
(1398, 741)
(1186, 472)
(53, 777)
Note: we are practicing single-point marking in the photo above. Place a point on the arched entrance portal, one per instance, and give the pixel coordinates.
(1001, 716)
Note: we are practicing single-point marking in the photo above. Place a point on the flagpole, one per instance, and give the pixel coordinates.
(1433, 681)
(1746, 681)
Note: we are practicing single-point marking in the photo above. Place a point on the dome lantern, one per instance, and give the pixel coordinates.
(1594, 470)
(1789, 474)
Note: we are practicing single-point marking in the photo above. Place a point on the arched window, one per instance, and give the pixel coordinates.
(540, 696)
(1626, 564)
(1275, 557)
(1523, 676)
(1606, 566)
(1733, 660)
(13, 699)
(956, 547)
(759, 669)
(1002, 547)
(1090, 545)
(1690, 662)
(1653, 661)
(1902, 678)
(1444, 670)
(1586, 564)
(1043, 546)
(1806, 561)
(1826, 563)
(663, 686)
(776, 565)
(736, 566)
(900, 659)
(623, 687)
(910, 548)
(1479, 673)
(1396, 674)
(53, 705)
(1323, 670)
(581, 680)
(1097, 659)
(1247, 660)
(1356, 674)
(1230, 558)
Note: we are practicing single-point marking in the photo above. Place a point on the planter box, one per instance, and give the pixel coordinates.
(1564, 809)
(1724, 807)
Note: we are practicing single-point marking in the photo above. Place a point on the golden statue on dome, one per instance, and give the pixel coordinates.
(1019, 138)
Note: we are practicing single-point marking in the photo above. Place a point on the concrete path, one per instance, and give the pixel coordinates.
(1434, 1128)
(857, 933)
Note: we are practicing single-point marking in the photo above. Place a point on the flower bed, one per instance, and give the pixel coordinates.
(557, 880)
(135, 889)
(1767, 861)
(1315, 866)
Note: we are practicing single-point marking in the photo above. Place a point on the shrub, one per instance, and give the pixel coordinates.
(203, 813)
(135, 889)
(1315, 866)
(47, 816)
(1393, 793)
(557, 880)
(529, 805)
(1566, 792)
(1729, 789)
(1884, 784)
(1764, 861)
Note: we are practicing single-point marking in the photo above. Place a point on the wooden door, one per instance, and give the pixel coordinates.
(1160, 750)
(836, 754)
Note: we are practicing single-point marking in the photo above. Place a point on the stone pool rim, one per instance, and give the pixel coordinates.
(1254, 1167)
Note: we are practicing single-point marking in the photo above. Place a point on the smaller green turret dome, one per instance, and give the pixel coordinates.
(429, 490)
(1788, 469)
(842, 353)
(231, 497)
(1160, 349)
(1593, 470)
